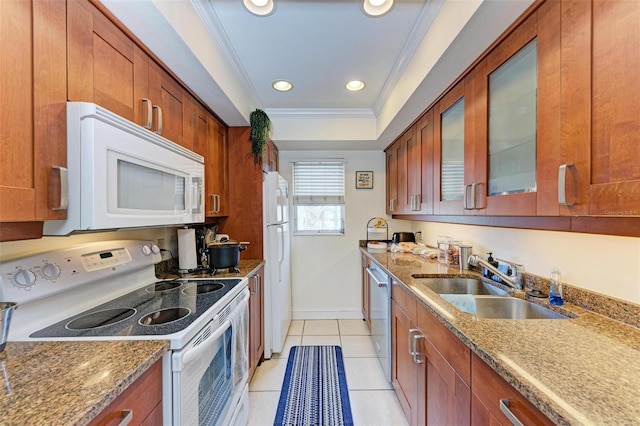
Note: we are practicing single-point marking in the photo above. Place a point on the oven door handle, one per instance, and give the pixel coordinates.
(193, 353)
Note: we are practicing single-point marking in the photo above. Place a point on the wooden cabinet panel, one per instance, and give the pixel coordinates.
(245, 194)
(32, 110)
(489, 388)
(424, 131)
(143, 397)
(600, 123)
(172, 107)
(217, 173)
(403, 377)
(256, 320)
(392, 180)
(271, 157)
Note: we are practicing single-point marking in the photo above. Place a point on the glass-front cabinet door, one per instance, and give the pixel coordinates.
(453, 134)
(518, 135)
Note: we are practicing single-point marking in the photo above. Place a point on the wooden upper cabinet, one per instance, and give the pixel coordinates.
(108, 68)
(32, 110)
(217, 170)
(424, 137)
(392, 179)
(517, 111)
(600, 104)
(453, 150)
(271, 157)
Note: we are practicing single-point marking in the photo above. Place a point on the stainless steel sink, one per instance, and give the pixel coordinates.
(460, 286)
(500, 307)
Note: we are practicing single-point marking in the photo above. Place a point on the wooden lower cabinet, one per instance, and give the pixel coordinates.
(489, 389)
(142, 400)
(403, 367)
(256, 320)
(443, 374)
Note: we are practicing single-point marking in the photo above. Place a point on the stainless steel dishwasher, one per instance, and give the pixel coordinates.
(380, 314)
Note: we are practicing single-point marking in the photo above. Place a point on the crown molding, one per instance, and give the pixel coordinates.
(283, 113)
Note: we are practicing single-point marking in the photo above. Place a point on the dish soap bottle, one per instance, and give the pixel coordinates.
(555, 288)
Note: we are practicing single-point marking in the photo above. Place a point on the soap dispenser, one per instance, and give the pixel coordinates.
(555, 288)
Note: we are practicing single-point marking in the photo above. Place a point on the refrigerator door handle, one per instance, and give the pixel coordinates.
(281, 253)
(279, 206)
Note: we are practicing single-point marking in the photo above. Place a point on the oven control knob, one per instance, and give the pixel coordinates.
(50, 271)
(146, 250)
(24, 278)
(155, 249)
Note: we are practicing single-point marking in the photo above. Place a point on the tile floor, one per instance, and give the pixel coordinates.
(373, 401)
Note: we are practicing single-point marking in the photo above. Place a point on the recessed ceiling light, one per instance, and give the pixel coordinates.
(376, 7)
(355, 85)
(260, 7)
(282, 85)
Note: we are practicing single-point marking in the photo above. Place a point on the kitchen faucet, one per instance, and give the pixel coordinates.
(513, 280)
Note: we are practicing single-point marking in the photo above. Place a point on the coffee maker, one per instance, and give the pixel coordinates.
(204, 236)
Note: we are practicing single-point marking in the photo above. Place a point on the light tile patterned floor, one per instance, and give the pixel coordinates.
(373, 401)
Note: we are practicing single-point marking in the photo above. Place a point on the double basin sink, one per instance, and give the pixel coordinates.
(483, 300)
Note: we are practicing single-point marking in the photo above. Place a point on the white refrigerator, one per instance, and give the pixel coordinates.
(277, 289)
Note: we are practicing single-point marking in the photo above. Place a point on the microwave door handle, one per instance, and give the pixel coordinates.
(192, 354)
(197, 194)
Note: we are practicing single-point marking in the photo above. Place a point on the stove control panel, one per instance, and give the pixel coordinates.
(106, 259)
(40, 275)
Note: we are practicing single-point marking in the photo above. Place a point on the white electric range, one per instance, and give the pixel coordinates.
(109, 291)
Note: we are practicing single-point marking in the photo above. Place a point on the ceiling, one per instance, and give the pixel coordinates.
(407, 57)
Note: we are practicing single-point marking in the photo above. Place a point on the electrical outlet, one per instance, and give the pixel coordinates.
(161, 243)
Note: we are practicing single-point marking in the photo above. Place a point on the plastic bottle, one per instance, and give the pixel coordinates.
(555, 288)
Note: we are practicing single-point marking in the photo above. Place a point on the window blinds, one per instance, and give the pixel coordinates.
(318, 182)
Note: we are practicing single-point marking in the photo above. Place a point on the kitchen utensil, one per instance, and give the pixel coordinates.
(403, 237)
(224, 255)
(6, 308)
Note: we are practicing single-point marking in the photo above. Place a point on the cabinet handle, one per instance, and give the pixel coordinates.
(149, 120)
(504, 407)
(473, 196)
(465, 203)
(127, 416)
(64, 188)
(216, 197)
(392, 205)
(159, 115)
(418, 202)
(411, 343)
(562, 181)
(417, 353)
(212, 197)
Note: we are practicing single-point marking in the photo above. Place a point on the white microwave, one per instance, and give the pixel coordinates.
(120, 175)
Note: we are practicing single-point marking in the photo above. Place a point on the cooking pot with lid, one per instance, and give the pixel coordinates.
(224, 254)
(403, 237)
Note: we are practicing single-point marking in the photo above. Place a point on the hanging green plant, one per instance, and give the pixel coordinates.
(260, 128)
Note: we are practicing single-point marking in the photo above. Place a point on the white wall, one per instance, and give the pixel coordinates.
(325, 269)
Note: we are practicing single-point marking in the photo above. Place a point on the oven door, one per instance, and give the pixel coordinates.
(211, 372)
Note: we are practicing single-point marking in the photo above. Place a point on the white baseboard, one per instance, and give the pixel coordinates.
(305, 315)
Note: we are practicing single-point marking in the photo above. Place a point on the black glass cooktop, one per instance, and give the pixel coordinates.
(161, 308)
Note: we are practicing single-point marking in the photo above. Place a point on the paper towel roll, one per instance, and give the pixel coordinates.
(187, 258)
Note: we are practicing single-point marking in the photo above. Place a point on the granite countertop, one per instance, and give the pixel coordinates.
(246, 266)
(578, 371)
(69, 383)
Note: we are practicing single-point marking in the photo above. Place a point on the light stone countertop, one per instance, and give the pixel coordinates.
(69, 383)
(579, 371)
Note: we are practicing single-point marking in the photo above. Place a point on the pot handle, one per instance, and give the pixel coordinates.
(241, 248)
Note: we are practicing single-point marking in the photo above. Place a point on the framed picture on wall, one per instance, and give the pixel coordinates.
(364, 180)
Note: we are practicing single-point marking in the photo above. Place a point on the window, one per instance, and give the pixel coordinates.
(318, 196)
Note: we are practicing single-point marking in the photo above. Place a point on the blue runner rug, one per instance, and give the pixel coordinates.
(314, 391)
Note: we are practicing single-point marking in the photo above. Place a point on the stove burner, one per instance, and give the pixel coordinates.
(164, 286)
(203, 288)
(164, 316)
(100, 319)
